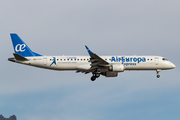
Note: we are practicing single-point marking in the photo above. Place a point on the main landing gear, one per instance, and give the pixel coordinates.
(95, 75)
(157, 71)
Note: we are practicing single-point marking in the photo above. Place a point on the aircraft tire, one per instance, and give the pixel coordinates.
(93, 78)
(158, 76)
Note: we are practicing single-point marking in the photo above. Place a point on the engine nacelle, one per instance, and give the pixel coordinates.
(117, 68)
(111, 74)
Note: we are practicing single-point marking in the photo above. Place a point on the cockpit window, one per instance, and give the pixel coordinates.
(164, 59)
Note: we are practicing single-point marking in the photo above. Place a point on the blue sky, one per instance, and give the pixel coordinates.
(116, 27)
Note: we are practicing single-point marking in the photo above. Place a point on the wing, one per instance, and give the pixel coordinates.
(97, 63)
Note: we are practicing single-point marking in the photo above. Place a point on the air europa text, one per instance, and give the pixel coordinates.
(128, 59)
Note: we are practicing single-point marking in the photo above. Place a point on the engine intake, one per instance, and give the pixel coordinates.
(117, 68)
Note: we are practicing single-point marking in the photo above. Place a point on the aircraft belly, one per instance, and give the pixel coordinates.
(83, 67)
(65, 66)
(71, 66)
(57, 66)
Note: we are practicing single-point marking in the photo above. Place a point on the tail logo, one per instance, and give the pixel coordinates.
(20, 47)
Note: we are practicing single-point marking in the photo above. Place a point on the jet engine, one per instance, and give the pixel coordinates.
(111, 74)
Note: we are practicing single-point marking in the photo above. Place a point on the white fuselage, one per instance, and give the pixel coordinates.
(82, 62)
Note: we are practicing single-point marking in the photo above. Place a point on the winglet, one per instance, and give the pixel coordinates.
(89, 51)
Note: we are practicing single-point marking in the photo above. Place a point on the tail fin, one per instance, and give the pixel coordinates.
(20, 47)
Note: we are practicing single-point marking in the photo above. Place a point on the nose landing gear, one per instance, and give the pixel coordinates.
(157, 71)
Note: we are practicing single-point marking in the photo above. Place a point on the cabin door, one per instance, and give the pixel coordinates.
(45, 60)
(156, 60)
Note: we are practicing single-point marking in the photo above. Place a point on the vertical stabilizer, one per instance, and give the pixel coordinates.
(20, 47)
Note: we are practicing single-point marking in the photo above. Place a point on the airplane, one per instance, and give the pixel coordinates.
(108, 66)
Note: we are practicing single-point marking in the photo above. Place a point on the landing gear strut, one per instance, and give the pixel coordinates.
(157, 71)
(95, 75)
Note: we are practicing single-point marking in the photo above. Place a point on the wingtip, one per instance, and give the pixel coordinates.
(86, 47)
(89, 51)
(13, 33)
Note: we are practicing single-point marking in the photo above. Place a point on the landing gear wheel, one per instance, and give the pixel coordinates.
(97, 75)
(158, 76)
(93, 78)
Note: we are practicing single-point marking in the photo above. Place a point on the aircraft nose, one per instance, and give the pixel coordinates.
(172, 65)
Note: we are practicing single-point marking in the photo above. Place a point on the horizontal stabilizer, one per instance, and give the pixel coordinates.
(12, 59)
(19, 57)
